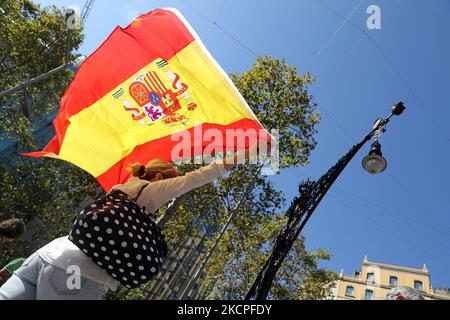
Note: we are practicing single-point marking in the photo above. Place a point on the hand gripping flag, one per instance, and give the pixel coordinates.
(146, 83)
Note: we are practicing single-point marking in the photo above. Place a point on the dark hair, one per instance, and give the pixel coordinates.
(12, 228)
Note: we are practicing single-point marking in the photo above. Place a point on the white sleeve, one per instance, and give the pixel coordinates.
(158, 193)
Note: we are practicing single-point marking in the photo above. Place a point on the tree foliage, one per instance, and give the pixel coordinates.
(279, 97)
(32, 42)
(45, 193)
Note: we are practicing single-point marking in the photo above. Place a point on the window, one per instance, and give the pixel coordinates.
(350, 291)
(393, 281)
(368, 295)
(370, 277)
(418, 285)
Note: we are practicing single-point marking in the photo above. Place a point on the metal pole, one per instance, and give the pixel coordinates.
(27, 83)
(46, 75)
(69, 44)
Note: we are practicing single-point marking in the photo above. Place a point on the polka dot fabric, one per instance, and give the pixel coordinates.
(121, 238)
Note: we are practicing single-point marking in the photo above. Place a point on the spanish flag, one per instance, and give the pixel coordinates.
(146, 83)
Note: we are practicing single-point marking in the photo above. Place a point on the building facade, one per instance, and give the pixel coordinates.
(374, 280)
(179, 278)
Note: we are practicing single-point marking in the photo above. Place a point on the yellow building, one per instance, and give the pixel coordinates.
(375, 280)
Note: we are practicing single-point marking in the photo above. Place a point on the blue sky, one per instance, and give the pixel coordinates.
(401, 216)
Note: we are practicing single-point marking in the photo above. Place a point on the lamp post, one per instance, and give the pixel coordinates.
(310, 195)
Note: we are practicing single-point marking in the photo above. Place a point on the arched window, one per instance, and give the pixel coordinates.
(368, 295)
(350, 291)
(393, 281)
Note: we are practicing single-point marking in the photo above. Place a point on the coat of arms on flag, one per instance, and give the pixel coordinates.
(158, 94)
(145, 84)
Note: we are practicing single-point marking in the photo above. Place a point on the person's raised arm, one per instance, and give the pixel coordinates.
(162, 191)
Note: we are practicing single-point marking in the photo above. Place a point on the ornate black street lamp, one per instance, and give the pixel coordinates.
(310, 195)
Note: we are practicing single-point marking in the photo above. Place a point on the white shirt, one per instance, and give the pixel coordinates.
(62, 253)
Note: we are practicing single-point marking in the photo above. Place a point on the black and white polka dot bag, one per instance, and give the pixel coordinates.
(121, 238)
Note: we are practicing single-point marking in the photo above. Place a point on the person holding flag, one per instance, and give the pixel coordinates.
(47, 274)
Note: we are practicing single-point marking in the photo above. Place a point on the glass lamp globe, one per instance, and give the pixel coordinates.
(374, 162)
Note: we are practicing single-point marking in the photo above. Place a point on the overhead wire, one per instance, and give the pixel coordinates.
(406, 84)
(395, 221)
(414, 231)
(394, 69)
(247, 48)
(220, 11)
(214, 23)
(414, 246)
(365, 34)
(396, 212)
(339, 28)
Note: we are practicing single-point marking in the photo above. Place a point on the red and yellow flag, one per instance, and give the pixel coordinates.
(145, 83)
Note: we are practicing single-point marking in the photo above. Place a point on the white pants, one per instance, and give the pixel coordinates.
(39, 280)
